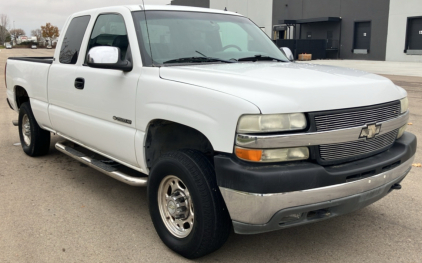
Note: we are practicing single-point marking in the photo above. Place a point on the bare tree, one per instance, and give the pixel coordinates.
(37, 33)
(16, 33)
(4, 25)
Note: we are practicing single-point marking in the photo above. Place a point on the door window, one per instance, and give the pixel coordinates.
(73, 39)
(110, 30)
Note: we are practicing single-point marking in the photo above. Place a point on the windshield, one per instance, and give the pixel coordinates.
(190, 37)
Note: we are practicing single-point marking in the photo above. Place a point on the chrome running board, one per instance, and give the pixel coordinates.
(110, 170)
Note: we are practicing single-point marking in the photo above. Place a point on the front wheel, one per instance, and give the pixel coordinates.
(185, 204)
(34, 140)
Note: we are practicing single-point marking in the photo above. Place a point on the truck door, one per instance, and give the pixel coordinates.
(61, 77)
(108, 96)
(102, 101)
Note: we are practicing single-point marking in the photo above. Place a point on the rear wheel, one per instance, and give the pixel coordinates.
(34, 140)
(185, 203)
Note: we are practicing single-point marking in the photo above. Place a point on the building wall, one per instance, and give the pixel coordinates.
(397, 23)
(350, 11)
(195, 3)
(319, 30)
(259, 11)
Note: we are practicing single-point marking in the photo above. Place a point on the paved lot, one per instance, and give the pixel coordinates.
(54, 209)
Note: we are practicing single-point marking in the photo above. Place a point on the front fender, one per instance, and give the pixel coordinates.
(213, 113)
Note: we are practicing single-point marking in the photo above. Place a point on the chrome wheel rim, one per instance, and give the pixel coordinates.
(26, 130)
(176, 207)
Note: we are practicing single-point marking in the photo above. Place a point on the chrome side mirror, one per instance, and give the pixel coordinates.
(288, 53)
(107, 57)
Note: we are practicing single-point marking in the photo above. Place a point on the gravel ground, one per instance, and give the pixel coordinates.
(53, 209)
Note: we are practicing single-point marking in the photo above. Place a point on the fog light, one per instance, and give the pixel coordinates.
(273, 155)
(290, 218)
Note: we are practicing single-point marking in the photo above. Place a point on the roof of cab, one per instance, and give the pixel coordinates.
(179, 8)
(160, 7)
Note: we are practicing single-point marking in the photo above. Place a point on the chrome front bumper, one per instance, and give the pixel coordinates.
(257, 210)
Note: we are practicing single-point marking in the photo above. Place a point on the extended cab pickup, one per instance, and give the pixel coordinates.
(201, 107)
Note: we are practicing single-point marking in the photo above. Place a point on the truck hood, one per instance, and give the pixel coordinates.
(276, 87)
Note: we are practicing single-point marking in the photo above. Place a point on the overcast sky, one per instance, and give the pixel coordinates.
(32, 14)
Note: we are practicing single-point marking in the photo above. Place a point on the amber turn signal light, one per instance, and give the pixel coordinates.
(249, 154)
(272, 155)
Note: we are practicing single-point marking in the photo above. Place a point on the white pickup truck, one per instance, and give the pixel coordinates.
(201, 107)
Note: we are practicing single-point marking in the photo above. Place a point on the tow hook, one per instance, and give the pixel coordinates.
(396, 187)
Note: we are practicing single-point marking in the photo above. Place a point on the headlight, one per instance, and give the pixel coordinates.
(404, 103)
(272, 155)
(401, 131)
(271, 123)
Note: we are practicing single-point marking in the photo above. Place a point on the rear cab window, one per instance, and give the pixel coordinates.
(73, 39)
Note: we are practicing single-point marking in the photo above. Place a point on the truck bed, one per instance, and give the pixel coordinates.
(47, 60)
(31, 74)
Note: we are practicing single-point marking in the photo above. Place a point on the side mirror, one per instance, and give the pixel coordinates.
(288, 53)
(107, 57)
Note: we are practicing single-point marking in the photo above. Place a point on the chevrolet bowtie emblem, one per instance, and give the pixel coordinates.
(370, 131)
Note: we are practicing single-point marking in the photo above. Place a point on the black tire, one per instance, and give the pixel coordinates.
(211, 224)
(39, 139)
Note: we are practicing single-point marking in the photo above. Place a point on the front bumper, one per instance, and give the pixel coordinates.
(262, 211)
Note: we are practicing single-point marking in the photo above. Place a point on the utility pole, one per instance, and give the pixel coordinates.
(14, 40)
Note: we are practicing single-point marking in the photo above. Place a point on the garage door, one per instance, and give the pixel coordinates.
(362, 39)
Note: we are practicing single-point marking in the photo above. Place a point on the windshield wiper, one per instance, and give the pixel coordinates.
(260, 57)
(185, 60)
(197, 59)
(216, 59)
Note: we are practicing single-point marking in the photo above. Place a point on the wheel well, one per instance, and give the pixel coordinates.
(165, 136)
(21, 96)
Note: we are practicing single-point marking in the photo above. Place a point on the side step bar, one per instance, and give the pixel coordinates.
(100, 166)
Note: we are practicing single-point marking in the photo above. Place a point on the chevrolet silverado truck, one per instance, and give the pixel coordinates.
(201, 107)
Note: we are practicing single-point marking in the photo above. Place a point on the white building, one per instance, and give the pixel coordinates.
(404, 39)
(26, 39)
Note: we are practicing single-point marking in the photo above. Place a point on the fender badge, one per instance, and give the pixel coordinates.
(122, 120)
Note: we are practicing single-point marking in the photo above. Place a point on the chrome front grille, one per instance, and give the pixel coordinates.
(356, 118)
(353, 149)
